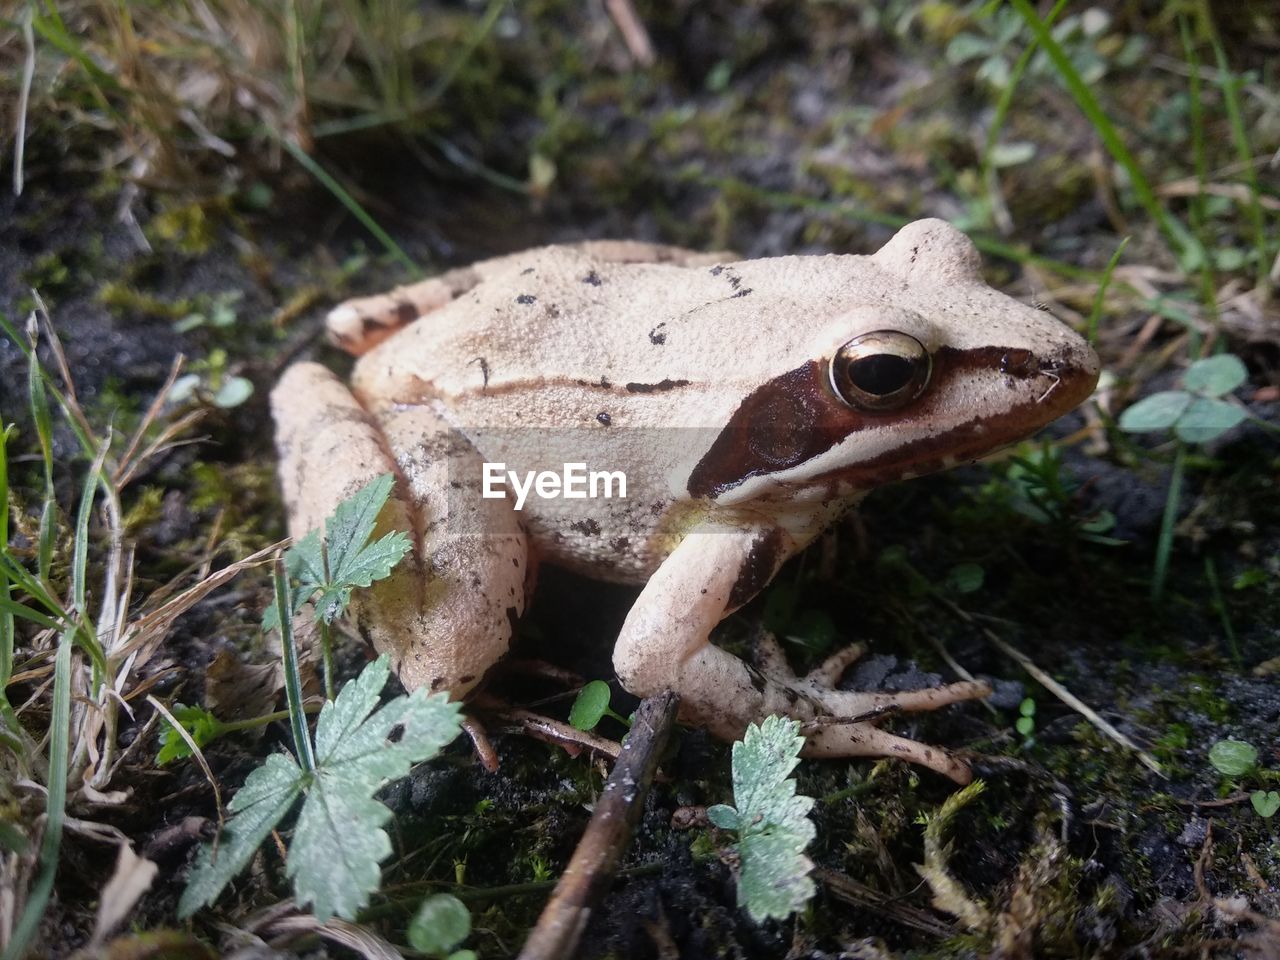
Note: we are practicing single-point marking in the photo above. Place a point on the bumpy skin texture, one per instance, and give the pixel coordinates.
(706, 381)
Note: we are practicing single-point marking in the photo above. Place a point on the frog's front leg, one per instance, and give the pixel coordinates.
(446, 611)
(664, 645)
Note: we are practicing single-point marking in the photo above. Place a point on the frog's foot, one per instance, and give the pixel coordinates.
(842, 724)
(664, 645)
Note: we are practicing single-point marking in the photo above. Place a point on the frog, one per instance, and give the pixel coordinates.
(749, 403)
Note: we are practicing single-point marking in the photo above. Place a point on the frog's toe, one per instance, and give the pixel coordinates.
(835, 739)
(829, 672)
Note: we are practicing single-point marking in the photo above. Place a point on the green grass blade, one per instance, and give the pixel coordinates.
(1095, 315)
(55, 816)
(292, 680)
(1006, 95)
(6, 616)
(38, 400)
(1177, 234)
(80, 555)
(1164, 545)
(348, 201)
(1231, 98)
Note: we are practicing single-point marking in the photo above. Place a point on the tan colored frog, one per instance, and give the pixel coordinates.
(745, 405)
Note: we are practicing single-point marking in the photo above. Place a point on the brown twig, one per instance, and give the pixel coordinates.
(592, 867)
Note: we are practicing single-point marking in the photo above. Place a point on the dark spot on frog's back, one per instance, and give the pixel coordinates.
(593, 279)
(587, 527)
(758, 568)
(660, 387)
(526, 298)
(603, 419)
(657, 336)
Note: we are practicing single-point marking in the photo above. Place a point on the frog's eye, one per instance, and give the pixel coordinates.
(881, 370)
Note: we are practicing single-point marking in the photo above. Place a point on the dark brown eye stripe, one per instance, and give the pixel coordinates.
(795, 417)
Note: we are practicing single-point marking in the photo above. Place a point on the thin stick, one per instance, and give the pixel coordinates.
(592, 867)
(1059, 691)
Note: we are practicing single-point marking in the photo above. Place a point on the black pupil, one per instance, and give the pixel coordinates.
(881, 374)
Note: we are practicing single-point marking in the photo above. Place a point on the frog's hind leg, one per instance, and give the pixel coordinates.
(360, 324)
(664, 645)
(445, 613)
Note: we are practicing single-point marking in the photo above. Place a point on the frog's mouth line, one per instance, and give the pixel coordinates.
(795, 417)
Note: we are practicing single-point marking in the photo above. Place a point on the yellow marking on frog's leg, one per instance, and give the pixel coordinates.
(664, 645)
(445, 613)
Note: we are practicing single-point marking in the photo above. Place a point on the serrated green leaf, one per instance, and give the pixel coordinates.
(267, 794)
(1215, 376)
(773, 822)
(1233, 758)
(350, 526)
(441, 923)
(338, 847)
(339, 842)
(589, 706)
(1207, 418)
(775, 882)
(1160, 411)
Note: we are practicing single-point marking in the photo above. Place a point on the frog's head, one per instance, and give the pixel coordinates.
(916, 365)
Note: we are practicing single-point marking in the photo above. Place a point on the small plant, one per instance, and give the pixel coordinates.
(212, 382)
(338, 841)
(771, 821)
(325, 572)
(592, 705)
(441, 923)
(1237, 759)
(1026, 722)
(1197, 413)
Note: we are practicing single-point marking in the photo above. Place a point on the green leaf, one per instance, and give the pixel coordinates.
(774, 823)
(202, 725)
(233, 392)
(589, 706)
(1266, 804)
(339, 842)
(723, 816)
(1025, 726)
(1160, 411)
(965, 578)
(267, 794)
(352, 561)
(441, 923)
(1233, 758)
(1207, 418)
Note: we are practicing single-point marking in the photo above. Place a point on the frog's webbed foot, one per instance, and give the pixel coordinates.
(664, 644)
(843, 721)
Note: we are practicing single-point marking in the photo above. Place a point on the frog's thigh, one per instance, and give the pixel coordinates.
(445, 613)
